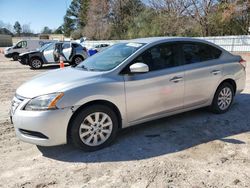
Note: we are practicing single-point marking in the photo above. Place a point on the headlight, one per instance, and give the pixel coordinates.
(44, 102)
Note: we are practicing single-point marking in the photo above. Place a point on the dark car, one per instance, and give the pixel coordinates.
(73, 53)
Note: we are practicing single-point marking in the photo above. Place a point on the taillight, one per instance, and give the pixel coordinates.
(243, 63)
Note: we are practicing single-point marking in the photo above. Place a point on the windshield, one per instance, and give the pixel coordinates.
(45, 46)
(110, 57)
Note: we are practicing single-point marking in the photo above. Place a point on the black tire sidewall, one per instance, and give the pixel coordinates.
(15, 56)
(74, 60)
(78, 119)
(215, 108)
(31, 63)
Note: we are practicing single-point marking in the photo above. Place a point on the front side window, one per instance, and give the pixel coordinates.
(159, 57)
(21, 44)
(197, 52)
(111, 57)
(24, 44)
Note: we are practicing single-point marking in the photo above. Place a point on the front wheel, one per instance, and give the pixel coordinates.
(15, 56)
(94, 128)
(36, 63)
(223, 98)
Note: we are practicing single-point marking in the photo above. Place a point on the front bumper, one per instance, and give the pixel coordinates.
(23, 61)
(8, 55)
(45, 128)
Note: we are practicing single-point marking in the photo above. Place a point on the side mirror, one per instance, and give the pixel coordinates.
(139, 68)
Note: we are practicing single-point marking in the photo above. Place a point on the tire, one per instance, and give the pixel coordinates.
(223, 98)
(95, 135)
(15, 56)
(36, 63)
(77, 60)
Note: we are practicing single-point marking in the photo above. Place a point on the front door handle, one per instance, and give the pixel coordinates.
(176, 79)
(215, 72)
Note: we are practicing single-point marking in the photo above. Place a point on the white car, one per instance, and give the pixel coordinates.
(24, 46)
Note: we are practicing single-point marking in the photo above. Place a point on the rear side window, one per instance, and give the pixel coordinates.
(75, 45)
(197, 52)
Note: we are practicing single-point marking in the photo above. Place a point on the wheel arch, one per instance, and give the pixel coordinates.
(14, 53)
(35, 57)
(230, 81)
(95, 102)
(77, 55)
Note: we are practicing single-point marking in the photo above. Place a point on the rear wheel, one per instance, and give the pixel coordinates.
(77, 60)
(36, 63)
(223, 98)
(94, 128)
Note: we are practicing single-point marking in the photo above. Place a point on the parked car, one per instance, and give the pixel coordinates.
(127, 84)
(97, 48)
(73, 53)
(23, 46)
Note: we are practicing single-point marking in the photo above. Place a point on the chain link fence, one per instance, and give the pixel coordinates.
(239, 43)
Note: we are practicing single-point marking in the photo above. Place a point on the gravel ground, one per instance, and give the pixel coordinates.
(193, 149)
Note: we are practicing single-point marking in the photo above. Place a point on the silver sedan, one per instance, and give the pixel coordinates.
(126, 84)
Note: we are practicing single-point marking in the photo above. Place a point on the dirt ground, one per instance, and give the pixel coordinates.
(193, 149)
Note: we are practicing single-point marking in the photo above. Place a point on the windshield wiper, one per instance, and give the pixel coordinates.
(81, 67)
(88, 69)
(93, 69)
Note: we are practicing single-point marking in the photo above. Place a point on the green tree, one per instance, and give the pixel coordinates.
(17, 28)
(46, 30)
(76, 16)
(123, 13)
(59, 30)
(68, 26)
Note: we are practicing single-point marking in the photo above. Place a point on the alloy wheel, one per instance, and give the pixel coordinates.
(225, 98)
(78, 60)
(36, 63)
(95, 129)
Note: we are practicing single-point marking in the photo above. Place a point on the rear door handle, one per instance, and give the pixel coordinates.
(215, 72)
(176, 79)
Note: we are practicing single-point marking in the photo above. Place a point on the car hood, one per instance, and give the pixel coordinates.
(30, 52)
(6, 50)
(56, 81)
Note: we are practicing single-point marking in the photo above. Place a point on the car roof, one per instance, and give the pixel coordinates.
(173, 39)
(158, 39)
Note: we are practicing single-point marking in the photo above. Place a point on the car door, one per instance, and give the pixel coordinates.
(158, 91)
(24, 47)
(48, 53)
(21, 47)
(67, 50)
(202, 72)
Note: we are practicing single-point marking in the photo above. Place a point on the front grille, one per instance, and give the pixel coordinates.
(33, 133)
